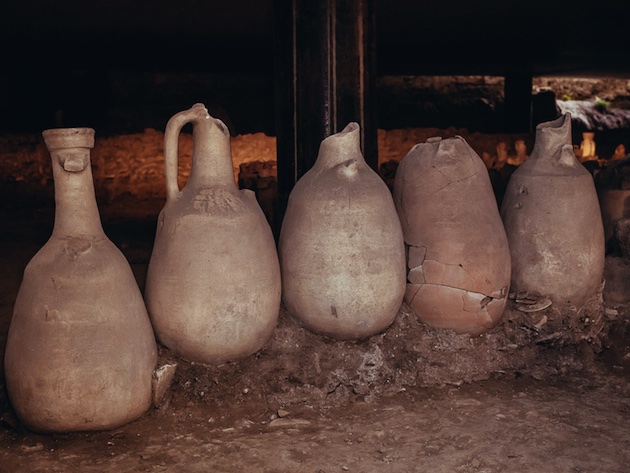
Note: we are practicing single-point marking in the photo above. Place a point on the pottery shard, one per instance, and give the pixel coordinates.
(475, 302)
(431, 300)
(416, 256)
(441, 306)
(434, 272)
(162, 379)
(416, 275)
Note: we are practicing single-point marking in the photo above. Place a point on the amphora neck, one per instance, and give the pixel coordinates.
(341, 148)
(212, 155)
(551, 136)
(76, 212)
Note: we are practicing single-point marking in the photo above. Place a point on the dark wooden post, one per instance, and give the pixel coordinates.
(518, 101)
(324, 79)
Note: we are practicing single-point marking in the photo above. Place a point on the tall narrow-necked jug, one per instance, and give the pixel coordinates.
(80, 350)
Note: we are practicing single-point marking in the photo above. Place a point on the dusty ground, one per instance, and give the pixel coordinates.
(548, 391)
(522, 426)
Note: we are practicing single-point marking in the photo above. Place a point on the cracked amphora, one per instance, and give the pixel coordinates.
(213, 283)
(341, 247)
(553, 221)
(457, 252)
(80, 351)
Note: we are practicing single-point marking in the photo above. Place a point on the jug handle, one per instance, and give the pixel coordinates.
(171, 144)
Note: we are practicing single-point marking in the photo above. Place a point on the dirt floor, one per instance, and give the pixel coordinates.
(547, 391)
(574, 425)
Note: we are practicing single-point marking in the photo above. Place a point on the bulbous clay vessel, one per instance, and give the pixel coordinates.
(553, 221)
(615, 206)
(80, 351)
(458, 256)
(213, 283)
(341, 246)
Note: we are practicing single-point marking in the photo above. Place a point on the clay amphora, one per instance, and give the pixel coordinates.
(553, 221)
(613, 188)
(615, 206)
(341, 247)
(458, 258)
(80, 351)
(213, 283)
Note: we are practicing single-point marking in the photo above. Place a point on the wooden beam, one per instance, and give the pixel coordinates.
(325, 78)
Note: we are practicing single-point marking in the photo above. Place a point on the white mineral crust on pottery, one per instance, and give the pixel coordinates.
(341, 248)
(553, 221)
(80, 351)
(213, 283)
(457, 253)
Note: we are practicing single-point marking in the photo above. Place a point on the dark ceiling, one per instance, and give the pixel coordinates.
(412, 37)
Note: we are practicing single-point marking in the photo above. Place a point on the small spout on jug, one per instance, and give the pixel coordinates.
(340, 148)
(551, 135)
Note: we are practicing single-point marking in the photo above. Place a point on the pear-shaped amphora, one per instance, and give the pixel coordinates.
(213, 282)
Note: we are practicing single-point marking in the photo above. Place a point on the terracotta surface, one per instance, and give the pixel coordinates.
(80, 350)
(553, 221)
(213, 283)
(341, 246)
(457, 255)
